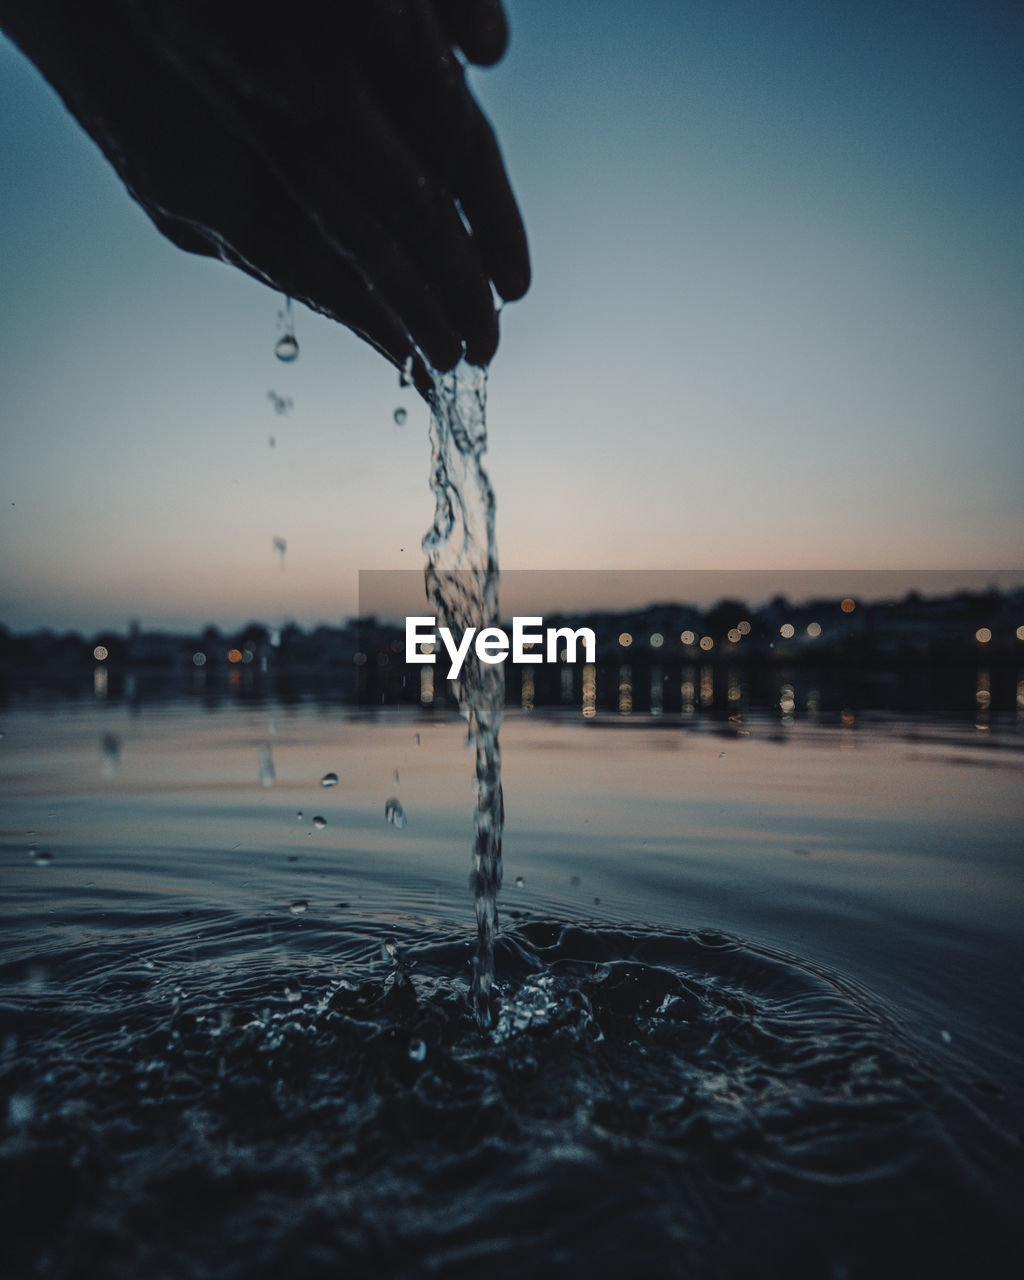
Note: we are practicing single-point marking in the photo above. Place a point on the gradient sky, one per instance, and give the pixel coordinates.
(777, 321)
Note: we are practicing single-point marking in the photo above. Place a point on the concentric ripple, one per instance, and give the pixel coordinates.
(685, 1105)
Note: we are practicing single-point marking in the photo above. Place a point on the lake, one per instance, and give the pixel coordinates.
(759, 990)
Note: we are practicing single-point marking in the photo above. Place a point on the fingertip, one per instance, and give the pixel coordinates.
(512, 282)
(482, 343)
(487, 39)
(478, 27)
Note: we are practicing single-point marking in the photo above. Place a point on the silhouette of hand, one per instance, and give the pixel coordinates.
(330, 148)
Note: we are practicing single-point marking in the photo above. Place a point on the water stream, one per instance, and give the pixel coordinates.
(462, 588)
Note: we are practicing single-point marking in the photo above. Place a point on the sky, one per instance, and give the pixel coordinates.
(776, 322)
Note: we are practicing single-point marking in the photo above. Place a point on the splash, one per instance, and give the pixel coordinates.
(462, 588)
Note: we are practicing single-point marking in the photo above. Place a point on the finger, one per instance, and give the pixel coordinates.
(420, 213)
(485, 194)
(478, 27)
(434, 108)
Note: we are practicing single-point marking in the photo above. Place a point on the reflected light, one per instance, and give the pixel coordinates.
(848, 605)
(1020, 633)
(625, 639)
(234, 655)
(426, 685)
(100, 653)
(589, 691)
(625, 690)
(743, 628)
(688, 637)
(657, 691)
(527, 693)
(983, 635)
(199, 659)
(787, 631)
(706, 643)
(657, 640)
(814, 630)
(734, 635)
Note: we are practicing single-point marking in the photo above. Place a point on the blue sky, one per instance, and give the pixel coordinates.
(776, 321)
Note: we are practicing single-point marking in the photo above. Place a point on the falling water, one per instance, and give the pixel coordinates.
(462, 587)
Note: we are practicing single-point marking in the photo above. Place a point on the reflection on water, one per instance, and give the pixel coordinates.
(753, 1004)
(625, 690)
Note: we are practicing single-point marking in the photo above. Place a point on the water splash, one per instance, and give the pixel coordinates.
(400, 416)
(462, 588)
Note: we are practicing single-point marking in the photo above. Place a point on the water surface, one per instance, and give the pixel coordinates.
(757, 997)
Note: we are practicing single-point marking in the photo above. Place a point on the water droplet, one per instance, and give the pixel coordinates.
(299, 906)
(281, 546)
(273, 443)
(520, 882)
(329, 780)
(287, 349)
(268, 774)
(43, 858)
(394, 813)
(946, 1037)
(574, 881)
(417, 1050)
(319, 822)
(404, 377)
(394, 776)
(299, 815)
(416, 740)
(400, 416)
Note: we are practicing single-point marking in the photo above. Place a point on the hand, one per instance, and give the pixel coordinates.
(330, 148)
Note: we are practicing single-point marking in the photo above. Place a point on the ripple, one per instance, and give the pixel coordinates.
(683, 1102)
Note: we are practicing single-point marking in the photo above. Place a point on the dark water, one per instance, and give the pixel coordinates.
(757, 1000)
